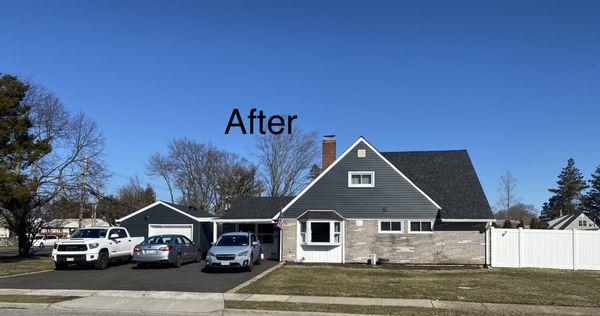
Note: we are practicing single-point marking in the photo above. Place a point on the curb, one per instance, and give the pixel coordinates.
(256, 278)
(32, 306)
(22, 274)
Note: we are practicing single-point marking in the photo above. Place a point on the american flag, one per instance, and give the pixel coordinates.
(280, 220)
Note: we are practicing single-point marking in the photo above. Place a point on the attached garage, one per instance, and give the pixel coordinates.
(165, 229)
(160, 218)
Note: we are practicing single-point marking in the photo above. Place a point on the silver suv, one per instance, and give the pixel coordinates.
(235, 250)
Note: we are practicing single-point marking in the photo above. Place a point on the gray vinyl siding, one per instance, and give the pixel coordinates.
(391, 190)
(138, 225)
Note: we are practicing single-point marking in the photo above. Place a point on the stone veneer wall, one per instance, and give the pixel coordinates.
(450, 243)
(289, 239)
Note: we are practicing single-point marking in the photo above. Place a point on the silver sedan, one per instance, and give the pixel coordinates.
(171, 249)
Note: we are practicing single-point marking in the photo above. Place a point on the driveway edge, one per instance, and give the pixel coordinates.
(256, 278)
(26, 273)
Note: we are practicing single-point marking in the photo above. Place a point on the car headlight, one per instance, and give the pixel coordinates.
(244, 253)
(210, 254)
(94, 245)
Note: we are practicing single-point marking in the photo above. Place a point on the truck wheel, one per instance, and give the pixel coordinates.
(59, 266)
(102, 261)
(257, 262)
(178, 261)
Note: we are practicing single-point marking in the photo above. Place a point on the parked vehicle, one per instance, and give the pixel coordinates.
(95, 245)
(44, 240)
(236, 250)
(171, 249)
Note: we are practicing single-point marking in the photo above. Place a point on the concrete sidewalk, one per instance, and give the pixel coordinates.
(427, 303)
(184, 303)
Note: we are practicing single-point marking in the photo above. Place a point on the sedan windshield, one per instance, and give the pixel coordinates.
(157, 240)
(233, 241)
(90, 233)
(38, 237)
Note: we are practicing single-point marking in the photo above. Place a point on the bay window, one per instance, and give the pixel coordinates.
(320, 232)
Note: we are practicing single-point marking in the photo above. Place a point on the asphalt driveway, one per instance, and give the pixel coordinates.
(190, 278)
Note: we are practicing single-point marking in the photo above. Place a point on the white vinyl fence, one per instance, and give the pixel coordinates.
(544, 248)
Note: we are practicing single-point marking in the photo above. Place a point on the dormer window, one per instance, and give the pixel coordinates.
(361, 179)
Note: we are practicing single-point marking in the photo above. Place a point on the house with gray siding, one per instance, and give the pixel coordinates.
(577, 221)
(160, 218)
(404, 207)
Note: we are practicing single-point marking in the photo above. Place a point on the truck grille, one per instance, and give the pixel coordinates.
(225, 257)
(70, 258)
(72, 247)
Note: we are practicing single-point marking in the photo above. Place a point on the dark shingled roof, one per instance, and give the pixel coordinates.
(449, 178)
(256, 207)
(190, 210)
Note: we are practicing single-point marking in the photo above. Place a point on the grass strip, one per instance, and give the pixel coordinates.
(511, 286)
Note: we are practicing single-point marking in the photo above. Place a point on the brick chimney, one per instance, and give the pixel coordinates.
(328, 151)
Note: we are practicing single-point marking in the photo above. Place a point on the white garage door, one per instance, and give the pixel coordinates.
(175, 229)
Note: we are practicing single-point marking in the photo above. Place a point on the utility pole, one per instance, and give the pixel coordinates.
(83, 185)
(95, 206)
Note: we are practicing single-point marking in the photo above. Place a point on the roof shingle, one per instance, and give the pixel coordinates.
(256, 207)
(448, 177)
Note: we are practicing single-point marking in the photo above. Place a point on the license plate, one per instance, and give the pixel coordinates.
(224, 263)
(150, 252)
(70, 259)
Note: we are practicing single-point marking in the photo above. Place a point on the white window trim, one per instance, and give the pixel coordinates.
(352, 173)
(410, 231)
(331, 233)
(401, 231)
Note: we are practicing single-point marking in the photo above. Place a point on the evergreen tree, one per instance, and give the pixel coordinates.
(592, 199)
(507, 224)
(534, 224)
(567, 196)
(19, 153)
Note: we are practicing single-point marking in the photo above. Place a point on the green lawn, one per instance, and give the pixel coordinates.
(522, 286)
(351, 309)
(34, 298)
(10, 266)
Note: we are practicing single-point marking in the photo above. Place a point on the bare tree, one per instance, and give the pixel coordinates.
(285, 160)
(58, 173)
(206, 178)
(239, 178)
(508, 197)
(160, 165)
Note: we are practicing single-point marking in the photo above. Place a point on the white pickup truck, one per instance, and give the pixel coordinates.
(96, 245)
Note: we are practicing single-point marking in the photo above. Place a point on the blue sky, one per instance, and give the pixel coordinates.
(515, 83)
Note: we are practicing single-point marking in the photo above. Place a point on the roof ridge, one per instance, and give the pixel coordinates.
(423, 151)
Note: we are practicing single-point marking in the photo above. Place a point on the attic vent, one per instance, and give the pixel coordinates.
(362, 153)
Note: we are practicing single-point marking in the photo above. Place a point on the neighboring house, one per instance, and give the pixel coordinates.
(167, 218)
(406, 207)
(578, 221)
(64, 227)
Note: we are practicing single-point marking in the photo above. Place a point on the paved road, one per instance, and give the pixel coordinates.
(189, 277)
